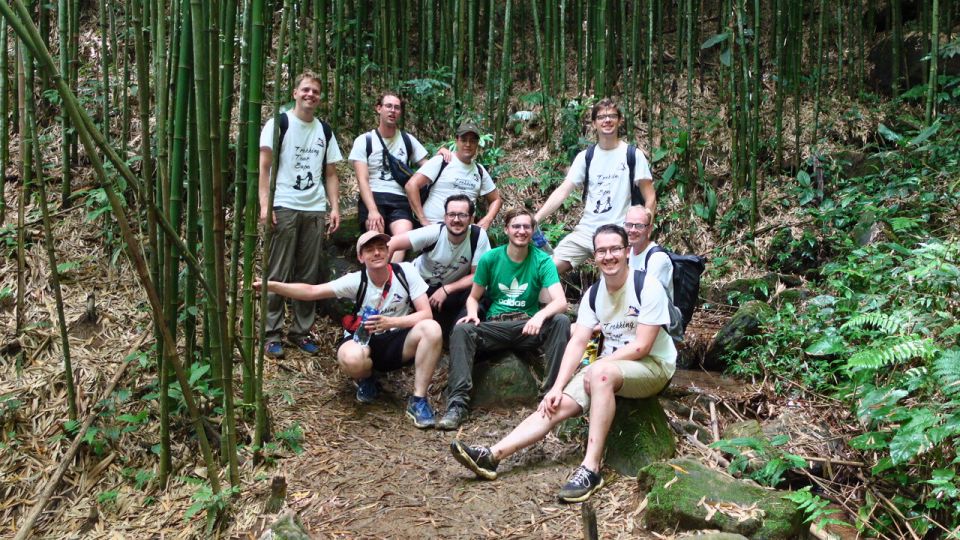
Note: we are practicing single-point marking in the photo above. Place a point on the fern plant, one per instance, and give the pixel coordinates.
(894, 350)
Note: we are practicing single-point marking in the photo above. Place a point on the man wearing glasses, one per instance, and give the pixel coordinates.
(646, 254)
(637, 361)
(449, 253)
(383, 204)
(607, 187)
(512, 277)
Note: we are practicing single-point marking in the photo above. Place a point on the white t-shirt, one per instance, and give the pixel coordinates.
(608, 194)
(619, 313)
(381, 181)
(395, 303)
(300, 175)
(660, 266)
(446, 262)
(457, 177)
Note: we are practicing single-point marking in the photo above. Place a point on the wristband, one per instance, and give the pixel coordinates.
(444, 287)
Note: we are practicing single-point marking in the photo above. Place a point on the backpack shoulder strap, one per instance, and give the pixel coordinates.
(443, 165)
(284, 122)
(587, 158)
(638, 277)
(327, 135)
(398, 271)
(369, 144)
(482, 171)
(655, 249)
(631, 161)
(409, 146)
(592, 296)
(474, 240)
(361, 290)
(434, 244)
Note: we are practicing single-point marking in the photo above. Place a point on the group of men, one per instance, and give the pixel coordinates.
(482, 299)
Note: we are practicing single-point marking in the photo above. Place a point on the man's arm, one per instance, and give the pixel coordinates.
(400, 242)
(554, 201)
(266, 163)
(473, 304)
(572, 355)
(649, 196)
(333, 197)
(374, 219)
(494, 202)
(420, 303)
(297, 291)
(639, 347)
(412, 188)
(557, 305)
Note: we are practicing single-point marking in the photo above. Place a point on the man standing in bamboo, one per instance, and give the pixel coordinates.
(306, 194)
(612, 174)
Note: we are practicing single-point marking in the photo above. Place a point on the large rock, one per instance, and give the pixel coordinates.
(685, 495)
(504, 379)
(286, 527)
(638, 436)
(742, 290)
(735, 335)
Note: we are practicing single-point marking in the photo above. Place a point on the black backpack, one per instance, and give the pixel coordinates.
(686, 280)
(327, 133)
(675, 327)
(474, 239)
(636, 196)
(400, 170)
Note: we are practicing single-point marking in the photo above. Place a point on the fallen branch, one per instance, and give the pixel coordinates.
(54, 480)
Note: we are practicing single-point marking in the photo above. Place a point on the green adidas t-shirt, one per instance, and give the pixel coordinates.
(515, 286)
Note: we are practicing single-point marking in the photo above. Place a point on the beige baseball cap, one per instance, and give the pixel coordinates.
(368, 237)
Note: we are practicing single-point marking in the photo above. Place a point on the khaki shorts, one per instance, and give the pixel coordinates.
(641, 378)
(575, 247)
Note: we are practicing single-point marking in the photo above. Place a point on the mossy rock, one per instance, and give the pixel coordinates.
(332, 266)
(790, 296)
(287, 527)
(742, 290)
(735, 334)
(504, 379)
(346, 236)
(638, 436)
(674, 490)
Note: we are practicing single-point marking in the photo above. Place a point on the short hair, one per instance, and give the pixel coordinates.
(610, 228)
(645, 211)
(462, 198)
(605, 103)
(307, 74)
(515, 212)
(387, 93)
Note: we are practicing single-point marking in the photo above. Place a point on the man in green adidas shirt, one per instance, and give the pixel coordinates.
(511, 277)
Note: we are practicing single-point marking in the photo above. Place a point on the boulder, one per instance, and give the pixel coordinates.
(742, 290)
(735, 334)
(684, 495)
(333, 265)
(346, 236)
(286, 527)
(638, 436)
(504, 379)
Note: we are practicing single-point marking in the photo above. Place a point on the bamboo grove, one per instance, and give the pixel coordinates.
(167, 116)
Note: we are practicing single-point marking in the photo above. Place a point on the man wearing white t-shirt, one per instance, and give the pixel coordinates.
(646, 254)
(399, 332)
(637, 361)
(449, 253)
(608, 186)
(306, 185)
(461, 175)
(383, 204)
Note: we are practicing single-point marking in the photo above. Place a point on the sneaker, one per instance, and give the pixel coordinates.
(367, 390)
(420, 411)
(478, 459)
(583, 482)
(454, 416)
(274, 349)
(308, 345)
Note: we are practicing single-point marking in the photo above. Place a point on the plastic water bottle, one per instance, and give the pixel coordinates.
(362, 335)
(540, 240)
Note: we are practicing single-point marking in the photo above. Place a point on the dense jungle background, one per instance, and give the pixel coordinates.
(809, 149)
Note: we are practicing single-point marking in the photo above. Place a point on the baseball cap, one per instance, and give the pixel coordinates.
(468, 127)
(368, 237)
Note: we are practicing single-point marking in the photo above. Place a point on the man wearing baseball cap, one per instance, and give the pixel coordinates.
(461, 175)
(396, 331)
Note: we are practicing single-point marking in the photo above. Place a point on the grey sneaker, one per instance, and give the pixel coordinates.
(583, 482)
(454, 416)
(478, 459)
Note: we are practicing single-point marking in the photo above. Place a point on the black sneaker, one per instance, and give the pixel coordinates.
(478, 459)
(454, 416)
(583, 482)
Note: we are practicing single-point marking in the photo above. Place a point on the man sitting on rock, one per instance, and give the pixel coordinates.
(399, 331)
(637, 361)
(512, 276)
(449, 253)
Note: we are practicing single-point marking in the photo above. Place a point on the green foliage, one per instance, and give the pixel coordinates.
(430, 101)
(292, 437)
(814, 508)
(747, 449)
(205, 499)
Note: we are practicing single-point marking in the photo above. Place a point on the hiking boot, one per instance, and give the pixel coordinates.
(583, 482)
(308, 345)
(367, 390)
(454, 416)
(274, 349)
(478, 459)
(420, 411)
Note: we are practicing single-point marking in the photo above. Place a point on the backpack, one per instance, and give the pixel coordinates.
(636, 196)
(351, 321)
(400, 170)
(675, 327)
(327, 133)
(474, 239)
(686, 280)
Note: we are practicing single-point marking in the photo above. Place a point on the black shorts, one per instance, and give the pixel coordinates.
(386, 349)
(391, 206)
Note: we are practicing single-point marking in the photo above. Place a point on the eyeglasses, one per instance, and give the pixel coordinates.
(613, 116)
(638, 226)
(457, 215)
(521, 226)
(615, 251)
(391, 107)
